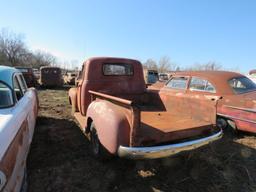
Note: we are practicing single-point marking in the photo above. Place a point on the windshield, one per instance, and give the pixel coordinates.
(242, 85)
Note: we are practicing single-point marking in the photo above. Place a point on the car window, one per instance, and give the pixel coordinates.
(242, 85)
(198, 84)
(178, 83)
(117, 69)
(6, 96)
(17, 88)
(22, 83)
(45, 71)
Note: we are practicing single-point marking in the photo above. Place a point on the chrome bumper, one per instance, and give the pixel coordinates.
(165, 150)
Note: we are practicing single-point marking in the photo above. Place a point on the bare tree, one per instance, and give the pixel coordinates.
(41, 58)
(165, 65)
(210, 66)
(13, 48)
(3, 59)
(74, 63)
(150, 64)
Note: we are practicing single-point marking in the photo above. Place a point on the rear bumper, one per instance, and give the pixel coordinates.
(165, 150)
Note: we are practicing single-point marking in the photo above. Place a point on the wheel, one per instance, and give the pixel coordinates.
(97, 148)
(227, 125)
(221, 123)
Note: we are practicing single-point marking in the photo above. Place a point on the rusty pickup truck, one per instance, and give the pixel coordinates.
(18, 112)
(122, 117)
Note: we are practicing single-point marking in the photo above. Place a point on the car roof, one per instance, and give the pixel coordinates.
(252, 72)
(111, 59)
(22, 67)
(6, 74)
(49, 67)
(219, 79)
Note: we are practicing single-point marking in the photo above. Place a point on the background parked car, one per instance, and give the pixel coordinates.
(236, 93)
(50, 77)
(18, 112)
(163, 77)
(70, 78)
(150, 76)
(28, 75)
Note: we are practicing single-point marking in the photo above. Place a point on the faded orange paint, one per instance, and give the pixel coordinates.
(125, 113)
(240, 108)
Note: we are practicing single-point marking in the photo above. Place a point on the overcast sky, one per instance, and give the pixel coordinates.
(188, 31)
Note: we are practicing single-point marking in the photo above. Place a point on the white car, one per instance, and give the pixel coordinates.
(18, 112)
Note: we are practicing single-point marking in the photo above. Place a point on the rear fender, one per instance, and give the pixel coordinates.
(111, 124)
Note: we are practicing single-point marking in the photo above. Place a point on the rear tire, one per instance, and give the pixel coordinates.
(98, 150)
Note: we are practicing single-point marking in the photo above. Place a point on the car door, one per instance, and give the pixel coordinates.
(174, 95)
(202, 98)
(29, 101)
(18, 137)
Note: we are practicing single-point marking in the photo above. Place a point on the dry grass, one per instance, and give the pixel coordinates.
(60, 160)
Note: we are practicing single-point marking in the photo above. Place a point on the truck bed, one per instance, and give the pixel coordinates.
(169, 122)
(154, 122)
(158, 127)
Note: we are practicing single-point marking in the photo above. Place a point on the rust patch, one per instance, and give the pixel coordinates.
(9, 161)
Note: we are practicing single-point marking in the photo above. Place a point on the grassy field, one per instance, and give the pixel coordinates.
(60, 161)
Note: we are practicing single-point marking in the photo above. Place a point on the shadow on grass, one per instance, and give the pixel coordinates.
(64, 87)
(60, 160)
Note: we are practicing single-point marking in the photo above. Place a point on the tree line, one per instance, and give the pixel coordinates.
(14, 52)
(165, 65)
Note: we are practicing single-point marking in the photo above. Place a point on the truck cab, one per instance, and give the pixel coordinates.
(122, 117)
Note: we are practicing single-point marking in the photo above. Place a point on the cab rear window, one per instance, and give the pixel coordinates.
(117, 69)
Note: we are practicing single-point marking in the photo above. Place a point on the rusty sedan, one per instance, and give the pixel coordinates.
(234, 92)
(18, 112)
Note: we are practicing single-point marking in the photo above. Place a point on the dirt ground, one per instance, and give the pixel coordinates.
(60, 161)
